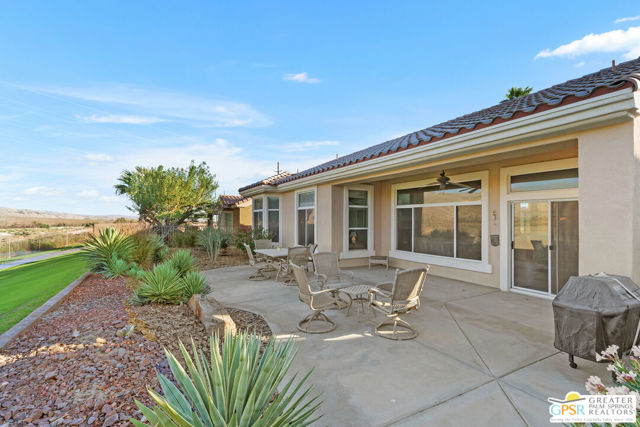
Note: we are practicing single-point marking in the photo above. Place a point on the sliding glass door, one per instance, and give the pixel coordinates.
(544, 244)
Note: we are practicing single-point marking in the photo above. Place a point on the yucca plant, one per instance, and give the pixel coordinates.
(99, 249)
(211, 240)
(183, 261)
(236, 388)
(115, 267)
(192, 283)
(160, 285)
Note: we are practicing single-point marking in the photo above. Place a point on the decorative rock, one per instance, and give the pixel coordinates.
(110, 420)
(212, 314)
(91, 420)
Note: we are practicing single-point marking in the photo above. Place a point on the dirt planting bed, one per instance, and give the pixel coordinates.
(228, 257)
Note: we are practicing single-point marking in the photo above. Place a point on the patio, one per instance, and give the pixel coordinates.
(483, 357)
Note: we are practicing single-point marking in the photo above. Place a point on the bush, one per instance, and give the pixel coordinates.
(183, 261)
(100, 248)
(161, 285)
(192, 283)
(135, 271)
(237, 387)
(248, 235)
(115, 267)
(147, 248)
(211, 240)
(183, 239)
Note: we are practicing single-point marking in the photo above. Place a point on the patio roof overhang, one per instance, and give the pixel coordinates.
(603, 110)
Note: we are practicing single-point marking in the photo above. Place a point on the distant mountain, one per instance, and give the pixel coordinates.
(25, 217)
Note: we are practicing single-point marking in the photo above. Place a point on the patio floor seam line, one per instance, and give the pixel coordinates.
(462, 362)
(527, 365)
(515, 408)
(422, 410)
(533, 396)
(470, 297)
(469, 341)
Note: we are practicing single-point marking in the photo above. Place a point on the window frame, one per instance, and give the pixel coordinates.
(313, 189)
(265, 214)
(358, 253)
(481, 265)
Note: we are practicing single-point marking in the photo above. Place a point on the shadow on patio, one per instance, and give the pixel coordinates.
(483, 357)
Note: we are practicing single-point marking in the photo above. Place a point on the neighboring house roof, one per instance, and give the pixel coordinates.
(229, 201)
(272, 180)
(595, 84)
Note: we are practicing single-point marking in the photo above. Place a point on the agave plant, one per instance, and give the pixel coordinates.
(115, 267)
(161, 285)
(99, 249)
(236, 388)
(194, 282)
(183, 261)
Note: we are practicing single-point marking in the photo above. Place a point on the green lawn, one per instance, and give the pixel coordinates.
(26, 287)
(2, 261)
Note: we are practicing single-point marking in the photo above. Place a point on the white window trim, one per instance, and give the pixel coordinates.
(265, 214)
(315, 212)
(482, 265)
(358, 253)
(507, 196)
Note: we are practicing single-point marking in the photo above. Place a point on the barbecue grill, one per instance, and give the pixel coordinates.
(594, 312)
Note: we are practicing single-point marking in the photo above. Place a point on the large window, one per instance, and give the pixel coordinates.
(358, 218)
(306, 217)
(549, 180)
(442, 222)
(266, 215)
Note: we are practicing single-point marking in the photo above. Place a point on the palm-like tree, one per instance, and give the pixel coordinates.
(517, 92)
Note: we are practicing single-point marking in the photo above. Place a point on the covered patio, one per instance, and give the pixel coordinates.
(483, 357)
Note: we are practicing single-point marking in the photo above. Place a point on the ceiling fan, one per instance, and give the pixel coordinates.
(443, 180)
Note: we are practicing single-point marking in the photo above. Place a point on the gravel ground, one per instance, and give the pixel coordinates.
(72, 369)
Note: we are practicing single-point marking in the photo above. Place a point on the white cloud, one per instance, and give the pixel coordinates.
(43, 191)
(627, 41)
(305, 145)
(144, 105)
(95, 194)
(98, 157)
(627, 19)
(579, 64)
(301, 78)
(121, 119)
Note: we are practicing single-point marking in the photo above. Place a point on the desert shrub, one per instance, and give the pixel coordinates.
(99, 249)
(192, 283)
(147, 247)
(183, 239)
(236, 387)
(211, 240)
(135, 271)
(115, 267)
(182, 261)
(248, 235)
(162, 254)
(160, 285)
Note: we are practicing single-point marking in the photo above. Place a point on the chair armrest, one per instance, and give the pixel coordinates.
(323, 291)
(381, 292)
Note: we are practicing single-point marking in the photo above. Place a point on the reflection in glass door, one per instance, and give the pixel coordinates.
(544, 244)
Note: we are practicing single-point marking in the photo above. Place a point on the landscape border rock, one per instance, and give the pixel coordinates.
(212, 314)
(36, 314)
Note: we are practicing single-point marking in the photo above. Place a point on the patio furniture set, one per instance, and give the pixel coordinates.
(333, 288)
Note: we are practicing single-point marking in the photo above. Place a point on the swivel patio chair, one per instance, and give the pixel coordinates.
(327, 270)
(259, 267)
(318, 301)
(263, 244)
(297, 255)
(397, 298)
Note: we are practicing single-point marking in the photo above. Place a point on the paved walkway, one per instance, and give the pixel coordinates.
(36, 258)
(483, 357)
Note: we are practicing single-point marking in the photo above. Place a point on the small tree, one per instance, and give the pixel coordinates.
(517, 92)
(167, 197)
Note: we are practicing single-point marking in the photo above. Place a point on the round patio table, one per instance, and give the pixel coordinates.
(358, 294)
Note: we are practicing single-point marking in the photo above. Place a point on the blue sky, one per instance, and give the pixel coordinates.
(89, 89)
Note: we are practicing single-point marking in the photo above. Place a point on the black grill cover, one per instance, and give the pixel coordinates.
(594, 312)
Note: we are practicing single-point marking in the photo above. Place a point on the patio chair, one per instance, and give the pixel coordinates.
(259, 267)
(318, 301)
(297, 255)
(327, 270)
(397, 298)
(313, 247)
(263, 244)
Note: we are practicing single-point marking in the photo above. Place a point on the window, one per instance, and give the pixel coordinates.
(358, 219)
(306, 218)
(551, 180)
(227, 221)
(266, 215)
(442, 222)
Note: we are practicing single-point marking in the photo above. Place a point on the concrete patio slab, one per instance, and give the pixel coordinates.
(482, 357)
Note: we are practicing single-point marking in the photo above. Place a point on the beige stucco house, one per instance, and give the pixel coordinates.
(540, 188)
(235, 213)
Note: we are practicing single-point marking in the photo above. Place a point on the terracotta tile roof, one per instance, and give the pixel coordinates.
(269, 181)
(594, 84)
(229, 201)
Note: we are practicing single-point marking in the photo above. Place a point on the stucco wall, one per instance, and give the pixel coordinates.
(609, 215)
